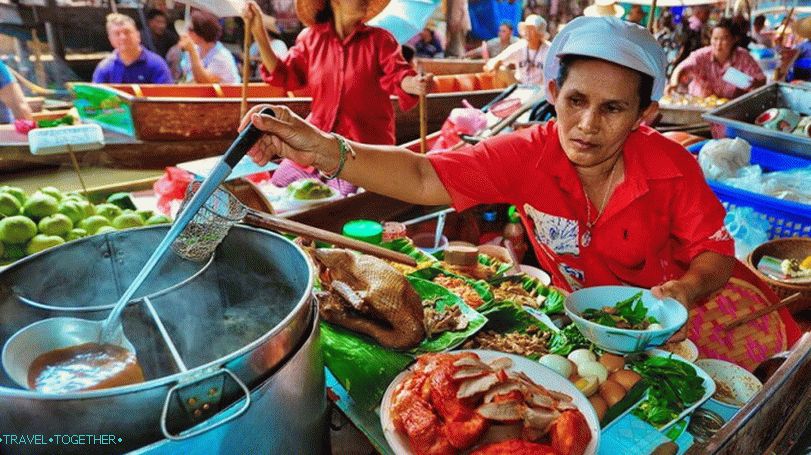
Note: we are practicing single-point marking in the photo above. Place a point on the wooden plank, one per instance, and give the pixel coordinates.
(121, 152)
(450, 65)
(775, 418)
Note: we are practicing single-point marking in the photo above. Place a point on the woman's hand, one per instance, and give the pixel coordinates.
(252, 15)
(186, 43)
(289, 136)
(418, 85)
(681, 292)
(492, 66)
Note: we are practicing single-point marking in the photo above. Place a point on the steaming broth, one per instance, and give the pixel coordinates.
(89, 366)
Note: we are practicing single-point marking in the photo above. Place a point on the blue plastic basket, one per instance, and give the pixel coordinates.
(786, 218)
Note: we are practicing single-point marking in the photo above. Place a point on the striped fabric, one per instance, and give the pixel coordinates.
(289, 172)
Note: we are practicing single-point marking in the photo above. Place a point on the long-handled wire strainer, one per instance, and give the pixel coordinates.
(55, 333)
(222, 210)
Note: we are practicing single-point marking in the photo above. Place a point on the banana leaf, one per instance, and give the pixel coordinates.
(499, 268)
(480, 286)
(506, 316)
(553, 298)
(443, 298)
(363, 367)
(406, 246)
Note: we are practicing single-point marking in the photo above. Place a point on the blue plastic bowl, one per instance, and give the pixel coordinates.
(671, 316)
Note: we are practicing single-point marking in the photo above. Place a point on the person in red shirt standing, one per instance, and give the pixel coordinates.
(605, 199)
(350, 69)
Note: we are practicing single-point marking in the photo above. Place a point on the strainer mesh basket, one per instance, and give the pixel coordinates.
(209, 226)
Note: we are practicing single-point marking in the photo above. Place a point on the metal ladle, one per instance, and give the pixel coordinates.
(56, 333)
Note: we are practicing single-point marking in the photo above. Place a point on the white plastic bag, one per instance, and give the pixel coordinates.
(721, 158)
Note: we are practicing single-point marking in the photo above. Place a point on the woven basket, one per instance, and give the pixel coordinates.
(787, 248)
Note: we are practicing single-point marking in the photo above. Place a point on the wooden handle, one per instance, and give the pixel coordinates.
(766, 310)
(313, 233)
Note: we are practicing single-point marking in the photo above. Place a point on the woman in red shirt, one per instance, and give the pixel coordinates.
(349, 68)
(605, 199)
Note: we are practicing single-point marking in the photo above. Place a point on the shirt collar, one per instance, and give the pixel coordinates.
(641, 166)
(141, 57)
(329, 29)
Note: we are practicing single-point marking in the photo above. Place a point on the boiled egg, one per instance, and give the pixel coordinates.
(579, 356)
(600, 406)
(560, 364)
(593, 368)
(626, 378)
(612, 362)
(612, 392)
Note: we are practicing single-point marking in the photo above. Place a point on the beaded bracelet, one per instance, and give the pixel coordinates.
(343, 148)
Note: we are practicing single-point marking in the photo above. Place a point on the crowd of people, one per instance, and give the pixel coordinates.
(707, 55)
(196, 56)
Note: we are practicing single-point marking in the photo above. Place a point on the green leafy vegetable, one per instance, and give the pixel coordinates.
(554, 301)
(567, 340)
(630, 399)
(674, 386)
(629, 313)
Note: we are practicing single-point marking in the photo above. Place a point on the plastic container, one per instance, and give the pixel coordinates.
(393, 230)
(515, 233)
(786, 218)
(364, 230)
(490, 228)
(425, 242)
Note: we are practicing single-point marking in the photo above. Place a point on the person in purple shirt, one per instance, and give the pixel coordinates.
(130, 63)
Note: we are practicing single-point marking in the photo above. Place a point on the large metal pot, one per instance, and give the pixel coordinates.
(211, 338)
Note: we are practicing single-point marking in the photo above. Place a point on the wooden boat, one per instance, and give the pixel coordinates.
(443, 66)
(211, 111)
(120, 152)
(776, 418)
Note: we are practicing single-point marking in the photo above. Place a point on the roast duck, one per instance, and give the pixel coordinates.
(367, 295)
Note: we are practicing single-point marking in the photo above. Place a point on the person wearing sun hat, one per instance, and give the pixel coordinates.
(349, 68)
(526, 55)
(605, 199)
(604, 8)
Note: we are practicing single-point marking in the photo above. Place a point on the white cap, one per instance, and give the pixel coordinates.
(533, 20)
(613, 40)
(604, 8)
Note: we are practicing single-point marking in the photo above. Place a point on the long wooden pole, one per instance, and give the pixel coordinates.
(246, 71)
(423, 116)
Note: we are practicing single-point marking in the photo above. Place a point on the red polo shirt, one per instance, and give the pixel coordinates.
(350, 80)
(661, 216)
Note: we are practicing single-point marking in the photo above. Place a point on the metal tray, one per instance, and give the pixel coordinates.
(739, 117)
(681, 114)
